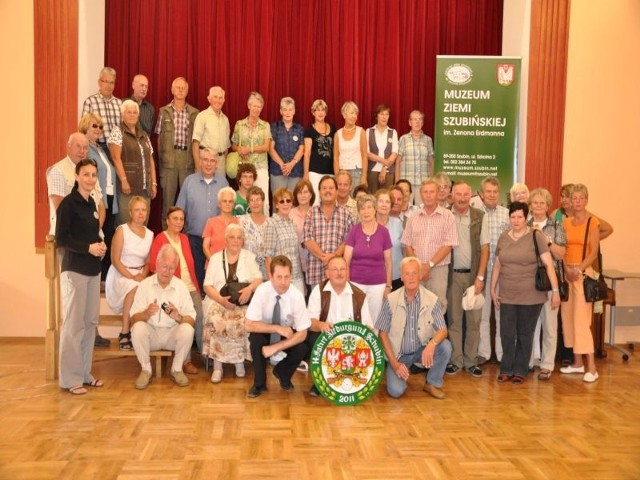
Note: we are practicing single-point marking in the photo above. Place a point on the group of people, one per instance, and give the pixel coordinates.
(226, 280)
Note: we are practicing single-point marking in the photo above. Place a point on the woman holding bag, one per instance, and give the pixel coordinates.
(583, 245)
(513, 289)
(556, 237)
(225, 340)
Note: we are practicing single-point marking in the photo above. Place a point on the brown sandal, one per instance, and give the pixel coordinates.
(544, 375)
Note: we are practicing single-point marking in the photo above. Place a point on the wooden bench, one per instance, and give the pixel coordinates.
(54, 321)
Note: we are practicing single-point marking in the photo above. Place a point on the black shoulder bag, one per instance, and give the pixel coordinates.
(594, 290)
(542, 279)
(232, 288)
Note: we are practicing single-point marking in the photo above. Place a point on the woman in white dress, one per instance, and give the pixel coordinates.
(129, 264)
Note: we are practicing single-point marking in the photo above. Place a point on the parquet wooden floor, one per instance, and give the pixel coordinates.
(483, 430)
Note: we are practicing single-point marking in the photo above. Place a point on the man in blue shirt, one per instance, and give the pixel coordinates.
(199, 200)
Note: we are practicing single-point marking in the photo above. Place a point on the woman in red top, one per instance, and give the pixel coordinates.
(185, 271)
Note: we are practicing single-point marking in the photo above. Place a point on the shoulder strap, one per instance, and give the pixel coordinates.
(586, 238)
(535, 245)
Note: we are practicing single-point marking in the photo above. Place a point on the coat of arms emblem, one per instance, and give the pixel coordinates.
(347, 364)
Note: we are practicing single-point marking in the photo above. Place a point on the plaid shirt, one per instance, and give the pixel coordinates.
(328, 234)
(280, 238)
(180, 123)
(107, 108)
(414, 157)
(427, 234)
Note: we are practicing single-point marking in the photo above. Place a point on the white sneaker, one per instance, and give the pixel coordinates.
(216, 376)
(570, 369)
(240, 373)
(590, 377)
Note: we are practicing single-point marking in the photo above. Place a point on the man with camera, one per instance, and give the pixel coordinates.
(162, 317)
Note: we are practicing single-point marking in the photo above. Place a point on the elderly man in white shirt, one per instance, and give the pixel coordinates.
(162, 317)
(277, 308)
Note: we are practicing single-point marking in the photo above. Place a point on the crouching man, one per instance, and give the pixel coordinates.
(162, 317)
(277, 321)
(412, 329)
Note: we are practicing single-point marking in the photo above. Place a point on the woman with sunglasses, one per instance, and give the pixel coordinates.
(281, 237)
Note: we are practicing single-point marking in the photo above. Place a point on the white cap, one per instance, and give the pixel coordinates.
(471, 301)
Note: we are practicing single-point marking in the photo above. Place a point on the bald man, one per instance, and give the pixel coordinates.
(60, 179)
(140, 87)
(211, 130)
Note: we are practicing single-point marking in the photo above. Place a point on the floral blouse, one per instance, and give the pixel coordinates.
(245, 136)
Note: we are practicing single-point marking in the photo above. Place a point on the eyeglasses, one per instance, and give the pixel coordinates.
(208, 160)
(444, 187)
(95, 125)
(284, 200)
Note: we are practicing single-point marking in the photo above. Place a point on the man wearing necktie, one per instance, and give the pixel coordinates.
(277, 308)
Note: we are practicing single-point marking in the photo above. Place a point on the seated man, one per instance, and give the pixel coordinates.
(335, 300)
(412, 329)
(277, 308)
(162, 317)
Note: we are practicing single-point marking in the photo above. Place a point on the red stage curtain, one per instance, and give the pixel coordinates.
(368, 51)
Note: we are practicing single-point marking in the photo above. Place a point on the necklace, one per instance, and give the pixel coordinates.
(326, 128)
(345, 129)
(516, 237)
(369, 232)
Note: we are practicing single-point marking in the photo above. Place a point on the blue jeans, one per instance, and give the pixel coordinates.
(396, 386)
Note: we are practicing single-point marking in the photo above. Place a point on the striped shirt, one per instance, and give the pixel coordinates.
(107, 108)
(145, 121)
(498, 220)
(328, 234)
(410, 340)
(427, 234)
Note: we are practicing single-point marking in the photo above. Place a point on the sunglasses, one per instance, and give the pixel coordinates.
(284, 200)
(95, 125)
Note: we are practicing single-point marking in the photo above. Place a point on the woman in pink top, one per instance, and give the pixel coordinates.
(213, 233)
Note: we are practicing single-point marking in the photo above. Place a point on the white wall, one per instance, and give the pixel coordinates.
(515, 43)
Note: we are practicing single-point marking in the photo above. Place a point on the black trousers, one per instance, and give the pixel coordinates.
(285, 368)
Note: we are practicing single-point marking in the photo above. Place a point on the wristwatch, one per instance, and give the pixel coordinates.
(480, 277)
(431, 264)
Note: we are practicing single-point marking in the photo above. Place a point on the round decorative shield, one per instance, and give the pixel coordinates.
(347, 363)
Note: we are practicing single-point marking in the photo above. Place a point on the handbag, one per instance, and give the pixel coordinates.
(232, 288)
(595, 289)
(542, 279)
